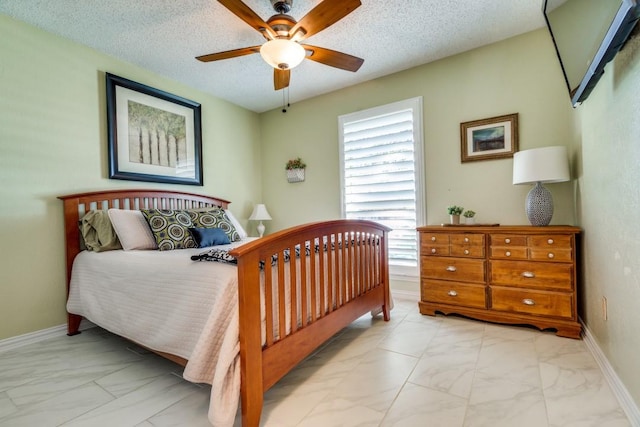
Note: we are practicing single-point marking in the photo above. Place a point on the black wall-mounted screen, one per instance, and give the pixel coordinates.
(587, 35)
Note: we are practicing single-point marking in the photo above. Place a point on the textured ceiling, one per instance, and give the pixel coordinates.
(165, 36)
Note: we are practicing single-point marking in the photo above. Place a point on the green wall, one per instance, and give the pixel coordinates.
(53, 142)
(608, 199)
(519, 75)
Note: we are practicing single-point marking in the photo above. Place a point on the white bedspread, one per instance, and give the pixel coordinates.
(165, 301)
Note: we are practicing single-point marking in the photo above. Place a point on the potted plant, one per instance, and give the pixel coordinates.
(295, 170)
(469, 216)
(454, 213)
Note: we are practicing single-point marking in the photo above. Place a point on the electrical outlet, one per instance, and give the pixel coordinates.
(604, 308)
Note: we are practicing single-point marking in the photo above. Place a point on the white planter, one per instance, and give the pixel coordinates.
(295, 175)
(470, 221)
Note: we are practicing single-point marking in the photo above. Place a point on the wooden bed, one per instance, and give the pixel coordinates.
(358, 286)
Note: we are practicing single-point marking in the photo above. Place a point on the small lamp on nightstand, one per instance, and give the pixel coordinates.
(547, 164)
(260, 213)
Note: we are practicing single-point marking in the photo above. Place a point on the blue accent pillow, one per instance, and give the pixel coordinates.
(206, 237)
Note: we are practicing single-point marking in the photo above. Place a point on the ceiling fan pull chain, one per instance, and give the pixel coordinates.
(285, 103)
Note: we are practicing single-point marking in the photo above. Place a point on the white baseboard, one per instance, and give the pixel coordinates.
(34, 337)
(619, 390)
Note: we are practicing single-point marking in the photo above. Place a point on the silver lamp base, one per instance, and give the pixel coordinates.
(539, 205)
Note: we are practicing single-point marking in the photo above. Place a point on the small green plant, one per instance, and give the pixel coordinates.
(469, 214)
(455, 210)
(296, 163)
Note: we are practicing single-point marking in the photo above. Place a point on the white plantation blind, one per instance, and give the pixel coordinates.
(381, 175)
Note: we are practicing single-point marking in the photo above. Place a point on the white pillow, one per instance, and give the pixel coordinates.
(132, 229)
(241, 231)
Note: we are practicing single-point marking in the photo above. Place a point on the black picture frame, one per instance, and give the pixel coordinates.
(153, 135)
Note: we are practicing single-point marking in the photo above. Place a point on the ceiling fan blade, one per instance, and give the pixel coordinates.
(322, 16)
(333, 58)
(281, 78)
(244, 12)
(228, 54)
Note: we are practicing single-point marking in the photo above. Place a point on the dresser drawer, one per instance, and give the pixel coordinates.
(508, 240)
(550, 254)
(543, 303)
(434, 250)
(461, 294)
(435, 238)
(539, 275)
(519, 252)
(467, 239)
(462, 270)
(467, 251)
(551, 241)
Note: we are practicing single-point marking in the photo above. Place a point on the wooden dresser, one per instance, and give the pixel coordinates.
(504, 274)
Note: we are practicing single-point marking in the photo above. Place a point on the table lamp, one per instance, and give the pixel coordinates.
(260, 213)
(537, 166)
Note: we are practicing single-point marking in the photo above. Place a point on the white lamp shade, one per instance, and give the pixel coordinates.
(547, 164)
(282, 53)
(260, 213)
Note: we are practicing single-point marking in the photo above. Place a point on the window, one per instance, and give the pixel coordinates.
(381, 175)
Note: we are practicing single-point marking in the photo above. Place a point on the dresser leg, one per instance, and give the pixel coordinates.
(424, 309)
(570, 332)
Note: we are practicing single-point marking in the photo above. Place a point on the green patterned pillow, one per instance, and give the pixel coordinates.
(214, 218)
(170, 228)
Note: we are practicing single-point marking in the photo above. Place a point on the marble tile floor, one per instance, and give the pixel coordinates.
(412, 371)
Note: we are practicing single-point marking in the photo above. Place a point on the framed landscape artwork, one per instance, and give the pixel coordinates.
(492, 138)
(153, 135)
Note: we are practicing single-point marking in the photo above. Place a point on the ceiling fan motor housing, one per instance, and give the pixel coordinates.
(281, 6)
(281, 24)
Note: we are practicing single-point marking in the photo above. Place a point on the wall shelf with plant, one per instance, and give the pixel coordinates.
(295, 170)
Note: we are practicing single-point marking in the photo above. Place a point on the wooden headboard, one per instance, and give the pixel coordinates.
(76, 205)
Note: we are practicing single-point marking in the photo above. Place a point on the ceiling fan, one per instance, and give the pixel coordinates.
(282, 49)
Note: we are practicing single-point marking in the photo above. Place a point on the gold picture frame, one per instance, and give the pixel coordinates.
(489, 139)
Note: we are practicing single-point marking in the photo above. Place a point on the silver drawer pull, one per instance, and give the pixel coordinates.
(528, 274)
(550, 255)
(433, 251)
(528, 301)
(507, 253)
(433, 239)
(466, 239)
(452, 293)
(451, 268)
(550, 241)
(466, 251)
(507, 240)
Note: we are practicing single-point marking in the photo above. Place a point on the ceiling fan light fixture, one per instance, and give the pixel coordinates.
(282, 54)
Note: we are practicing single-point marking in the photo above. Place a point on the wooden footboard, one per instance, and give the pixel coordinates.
(344, 276)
